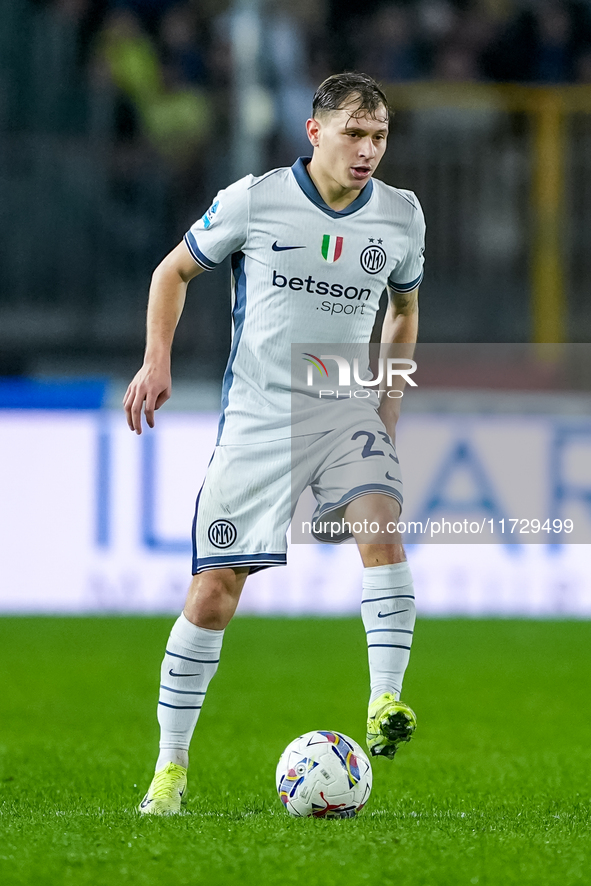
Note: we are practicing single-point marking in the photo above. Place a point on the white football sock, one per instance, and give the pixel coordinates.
(388, 612)
(191, 660)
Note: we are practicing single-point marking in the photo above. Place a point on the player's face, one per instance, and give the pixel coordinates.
(349, 148)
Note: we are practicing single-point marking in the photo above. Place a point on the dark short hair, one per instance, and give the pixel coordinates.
(337, 90)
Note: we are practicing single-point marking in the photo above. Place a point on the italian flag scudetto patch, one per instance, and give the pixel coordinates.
(332, 246)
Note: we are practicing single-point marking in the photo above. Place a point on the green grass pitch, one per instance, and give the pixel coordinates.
(494, 788)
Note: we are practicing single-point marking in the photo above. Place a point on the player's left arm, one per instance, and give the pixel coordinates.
(400, 330)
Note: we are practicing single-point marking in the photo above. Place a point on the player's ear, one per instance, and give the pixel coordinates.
(313, 130)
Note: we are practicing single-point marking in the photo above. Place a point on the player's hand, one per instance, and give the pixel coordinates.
(151, 386)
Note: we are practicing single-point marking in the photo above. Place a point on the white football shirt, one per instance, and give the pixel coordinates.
(301, 272)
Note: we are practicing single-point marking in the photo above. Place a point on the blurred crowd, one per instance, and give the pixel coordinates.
(537, 41)
(118, 124)
(168, 60)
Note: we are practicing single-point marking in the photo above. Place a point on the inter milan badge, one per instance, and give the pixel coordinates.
(373, 259)
(222, 533)
(332, 246)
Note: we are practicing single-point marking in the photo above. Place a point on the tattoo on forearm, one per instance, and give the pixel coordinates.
(403, 302)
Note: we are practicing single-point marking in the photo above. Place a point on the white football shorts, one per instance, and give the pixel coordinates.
(250, 491)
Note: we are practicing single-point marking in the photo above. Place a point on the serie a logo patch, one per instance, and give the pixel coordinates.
(208, 218)
(222, 533)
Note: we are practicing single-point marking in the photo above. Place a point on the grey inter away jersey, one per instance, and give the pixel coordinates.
(302, 272)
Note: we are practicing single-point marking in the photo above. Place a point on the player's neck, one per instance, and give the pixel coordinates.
(333, 194)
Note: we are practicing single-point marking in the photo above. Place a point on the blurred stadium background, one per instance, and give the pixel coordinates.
(118, 123)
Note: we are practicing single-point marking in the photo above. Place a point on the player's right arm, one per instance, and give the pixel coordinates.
(220, 232)
(152, 384)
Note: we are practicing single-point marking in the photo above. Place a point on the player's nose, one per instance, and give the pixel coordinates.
(367, 148)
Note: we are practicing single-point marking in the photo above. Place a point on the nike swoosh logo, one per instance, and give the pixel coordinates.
(145, 802)
(388, 477)
(277, 248)
(386, 614)
(174, 674)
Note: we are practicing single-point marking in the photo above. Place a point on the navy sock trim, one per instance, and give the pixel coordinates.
(388, 631)
(395, 597)
(389, 645)
(196, 660)
(181, 707)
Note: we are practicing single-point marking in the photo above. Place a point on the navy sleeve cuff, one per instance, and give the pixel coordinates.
(405, 287)
(201, 259)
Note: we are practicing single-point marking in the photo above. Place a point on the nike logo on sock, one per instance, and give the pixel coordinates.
(386, 614)
(277, 248)
(174, 674)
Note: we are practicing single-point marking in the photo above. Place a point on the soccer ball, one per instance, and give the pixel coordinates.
(324, 775)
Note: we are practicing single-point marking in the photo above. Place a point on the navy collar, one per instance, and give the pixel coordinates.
(310, 190)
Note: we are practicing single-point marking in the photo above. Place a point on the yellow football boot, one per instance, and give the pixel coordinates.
(166, 792)
(389, 724)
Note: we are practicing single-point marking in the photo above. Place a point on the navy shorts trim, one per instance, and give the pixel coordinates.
(327, 509)
(255, 561)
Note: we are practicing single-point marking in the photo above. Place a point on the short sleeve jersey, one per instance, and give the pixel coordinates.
(301, 273)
